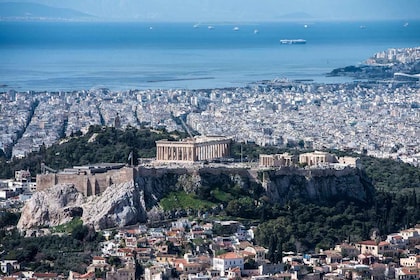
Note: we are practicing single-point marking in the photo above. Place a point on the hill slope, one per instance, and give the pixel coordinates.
(25, 10)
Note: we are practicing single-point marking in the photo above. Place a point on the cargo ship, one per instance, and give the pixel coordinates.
(293, 41)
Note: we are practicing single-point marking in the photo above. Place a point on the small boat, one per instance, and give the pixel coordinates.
(196, 25)
(256, 31)
(235, 28)
(293, 41)
(210, 27)
(405, 24)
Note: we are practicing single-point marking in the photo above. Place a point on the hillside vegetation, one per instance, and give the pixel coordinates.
(98, 145)
(390, 175)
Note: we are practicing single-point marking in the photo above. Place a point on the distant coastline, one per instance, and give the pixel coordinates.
(387, 64)
(181, 79)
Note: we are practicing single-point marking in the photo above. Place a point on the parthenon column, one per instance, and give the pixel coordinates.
(204, 152)
(192, 153)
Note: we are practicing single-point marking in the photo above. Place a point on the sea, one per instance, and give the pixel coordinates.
(66, 56)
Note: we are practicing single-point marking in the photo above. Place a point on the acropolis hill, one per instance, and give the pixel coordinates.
(191, 156)
(129, 195)
(113, 195)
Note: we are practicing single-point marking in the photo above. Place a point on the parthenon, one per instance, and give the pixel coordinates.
(193, 149)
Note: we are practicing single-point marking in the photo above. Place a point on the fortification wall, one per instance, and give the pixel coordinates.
(88, 184)
(45, 181)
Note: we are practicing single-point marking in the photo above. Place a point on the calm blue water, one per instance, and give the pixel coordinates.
(67, 56)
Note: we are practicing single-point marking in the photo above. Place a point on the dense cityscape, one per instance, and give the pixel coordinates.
(379, 119)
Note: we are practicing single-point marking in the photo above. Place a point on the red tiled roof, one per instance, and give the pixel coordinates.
(86, 275)
(125, 250)
(178, 262)
(246, 253)
(407, 271)
(230, 255)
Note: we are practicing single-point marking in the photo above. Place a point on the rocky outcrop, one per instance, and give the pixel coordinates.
(118, 206)
(56, 206)
(316, 185)
(137, 201)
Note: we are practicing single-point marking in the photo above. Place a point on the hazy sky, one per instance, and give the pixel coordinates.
(240, 10)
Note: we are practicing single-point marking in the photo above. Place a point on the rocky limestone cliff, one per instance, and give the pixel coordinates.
(316, 185)
(137, 201)
(118, 206)
(56, 206)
